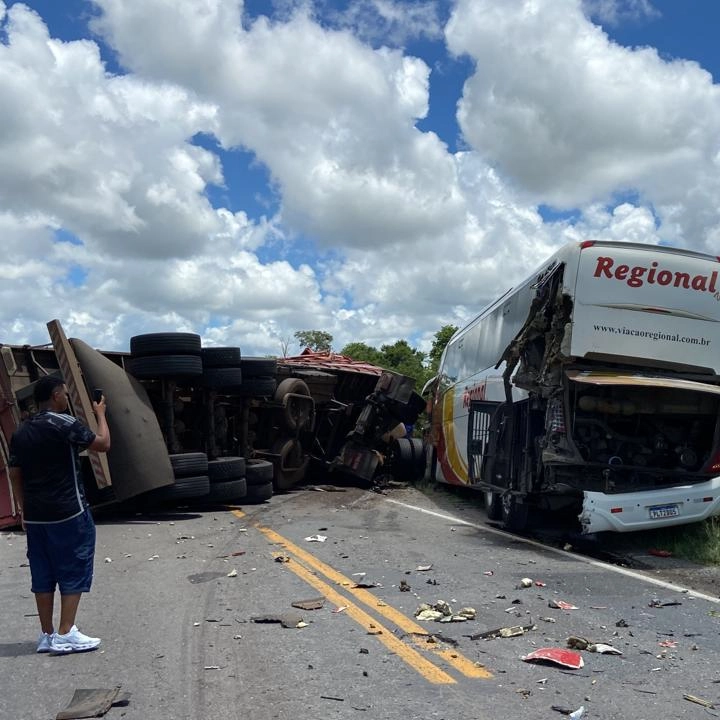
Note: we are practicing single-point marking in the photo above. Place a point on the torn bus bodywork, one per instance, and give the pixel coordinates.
(623, 440)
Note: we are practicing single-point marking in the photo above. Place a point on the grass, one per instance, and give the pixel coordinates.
(698, 542)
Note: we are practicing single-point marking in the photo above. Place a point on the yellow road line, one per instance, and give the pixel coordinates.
(418, 633)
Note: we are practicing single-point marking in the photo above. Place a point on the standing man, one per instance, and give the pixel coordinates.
(46, 479)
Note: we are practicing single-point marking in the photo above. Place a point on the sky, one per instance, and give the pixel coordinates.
(372, 168)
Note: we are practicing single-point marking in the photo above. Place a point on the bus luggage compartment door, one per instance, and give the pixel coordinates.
(484, 433)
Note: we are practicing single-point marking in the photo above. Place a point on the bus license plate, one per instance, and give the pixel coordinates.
(663, 511)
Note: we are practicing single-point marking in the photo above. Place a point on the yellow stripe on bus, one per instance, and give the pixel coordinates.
(457, 465)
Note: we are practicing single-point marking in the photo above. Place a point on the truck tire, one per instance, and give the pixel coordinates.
(258, 367)
(226, 491)
(256, 386)
(185, 488)
(221, 377)
(157, 366)
(258, 472)
(259, 493)
(295, 416)
(169, 343)
(215, 357)
(188, 464)
(226, 468)
(291, 466)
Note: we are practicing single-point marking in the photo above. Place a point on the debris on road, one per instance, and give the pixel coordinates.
(442, 612)
(526, 582)
(622, 623)
(108, 560)
(561, 605)
(657, 602)
(311, 604)
(558, 656)
(574, 714)
(699, 701)
(659, 553)
(604, 649)
(503, 632)
(580, 643)
(282, 558)
(668, 643)
(287, 620)
(316, 538)
(93, 703)
(423, 568)
(340, 608)
(232, 573)
(489, 572)
(404, 587)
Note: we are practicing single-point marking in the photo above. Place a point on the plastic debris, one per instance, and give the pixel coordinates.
(659, 553)
(503, 632)
(577, 714)
(282, 558)
(540, 583)
(312, 604)
(340, 608)
(622, 623)
(423, 568)
(232, 573)
(287, 620)
(488, 572)
(93, 703)
(316, 538)
(561, 605)
(548, 619)
(604, 649)
(657, 602)
(108, 560)
(668, 643)
(699, 701)
(526, 583)
(558, 656)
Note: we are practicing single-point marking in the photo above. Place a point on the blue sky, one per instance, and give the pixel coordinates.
(374, 168)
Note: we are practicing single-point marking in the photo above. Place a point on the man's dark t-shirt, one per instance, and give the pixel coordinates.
(46, 448)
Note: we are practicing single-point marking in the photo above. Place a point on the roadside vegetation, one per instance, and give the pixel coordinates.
(698, 542)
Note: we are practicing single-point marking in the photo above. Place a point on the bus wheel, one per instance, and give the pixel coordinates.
(514, 514)
(493, 505)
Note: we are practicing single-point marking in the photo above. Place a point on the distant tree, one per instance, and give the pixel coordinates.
(362, 352)
(406, 360)
(442, 337)
(317, 340)
(284, 345)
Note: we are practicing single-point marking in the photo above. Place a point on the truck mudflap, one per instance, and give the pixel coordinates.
(632, 511)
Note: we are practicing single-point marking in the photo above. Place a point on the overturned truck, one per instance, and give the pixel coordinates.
(207, 424)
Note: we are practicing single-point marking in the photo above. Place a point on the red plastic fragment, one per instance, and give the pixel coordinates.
(558, 656)
(659, 553)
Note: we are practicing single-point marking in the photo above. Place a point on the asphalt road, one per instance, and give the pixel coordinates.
(175, 607)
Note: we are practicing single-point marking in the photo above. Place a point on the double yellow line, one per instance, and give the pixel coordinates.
(307, 566)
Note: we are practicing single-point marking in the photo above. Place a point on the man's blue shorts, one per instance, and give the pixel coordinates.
(62, 554)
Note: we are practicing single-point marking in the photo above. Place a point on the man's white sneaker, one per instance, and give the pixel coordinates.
(44, 641)
(73, 641)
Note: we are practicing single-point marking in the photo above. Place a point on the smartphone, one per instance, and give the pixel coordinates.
(97, 394)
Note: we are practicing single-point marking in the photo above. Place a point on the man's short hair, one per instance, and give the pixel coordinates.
(46, 386)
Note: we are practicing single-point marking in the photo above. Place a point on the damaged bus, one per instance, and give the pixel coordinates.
(592, 388)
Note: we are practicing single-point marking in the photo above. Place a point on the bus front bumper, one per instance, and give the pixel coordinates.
(647, 510)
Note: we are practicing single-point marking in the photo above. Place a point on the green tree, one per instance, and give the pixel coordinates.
(406, 360)
(442, 337)
(362, 352)
(317, 340)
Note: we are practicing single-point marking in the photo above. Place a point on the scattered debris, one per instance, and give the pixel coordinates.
(316, 538)
(364, 651)
(699, 701)
(232, 573)
(287, 620)
(561, 605)
(578, 643)
(659, 553)
(442, 612)
(548, 619)
(211, 667)
(604, 649)
(340, 608)
(423, 568)
(504, 632)
(558, 656)
(404, 587)
(431, 581)
(282, 558)
(108, 560)
(489, 572)
(330, 697)
(656, 603)
(526, 583)
(311, 604)
(93, 703)
(540, 583)
(668, 643)
(622, 623)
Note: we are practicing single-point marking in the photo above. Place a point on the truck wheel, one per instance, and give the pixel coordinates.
(188, 464)
(514, 514)
(226, 468)
(215, 357)
(259, 493)
(184, 488)
(256, 386)
(157, 366)
(290, 468)
(170, 343)
(226, 491)
(221, 377)
(258, 367)
(493, 505)
(295, 414)
(258, 472)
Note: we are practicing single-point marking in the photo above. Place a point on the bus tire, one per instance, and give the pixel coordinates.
(493, 505)
(514, 514)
